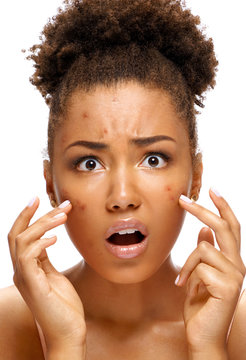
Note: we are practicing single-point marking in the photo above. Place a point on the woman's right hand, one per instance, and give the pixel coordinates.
(49, 295)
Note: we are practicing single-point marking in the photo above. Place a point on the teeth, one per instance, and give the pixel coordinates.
(127, 231)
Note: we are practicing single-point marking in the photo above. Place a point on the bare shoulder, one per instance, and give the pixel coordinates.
(19, 337)
(237, 338)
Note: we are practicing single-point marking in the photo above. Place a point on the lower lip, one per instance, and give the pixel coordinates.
(127, 251)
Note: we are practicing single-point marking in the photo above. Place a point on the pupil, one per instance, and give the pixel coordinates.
(153, 161)
(90, 164)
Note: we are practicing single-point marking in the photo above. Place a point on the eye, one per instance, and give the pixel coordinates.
(87, 164)
(156, 160)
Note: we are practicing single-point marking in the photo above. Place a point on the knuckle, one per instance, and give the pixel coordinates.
(238, 226)
(201, 267)
(18, 241)
(10, 236)
(224, 225)
(243, 270)
(232, 288)
(204, 246)
(241, 275)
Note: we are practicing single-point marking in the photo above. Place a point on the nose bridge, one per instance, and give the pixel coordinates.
(123, 192)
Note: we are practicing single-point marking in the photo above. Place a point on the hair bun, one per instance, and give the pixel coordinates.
(82, 27)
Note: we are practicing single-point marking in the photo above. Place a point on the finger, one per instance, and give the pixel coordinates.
(20, 224)
(224, 236)
(207, 254)
(205, 235)
(28, 265)
(227, 214)
(218, 284)
(47, 222)
(45, 261)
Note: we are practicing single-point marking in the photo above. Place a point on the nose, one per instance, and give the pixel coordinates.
(123, 193)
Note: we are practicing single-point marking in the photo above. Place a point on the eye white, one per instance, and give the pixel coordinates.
(159, 163)
(89, 164)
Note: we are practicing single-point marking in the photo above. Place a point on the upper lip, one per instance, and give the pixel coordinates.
(126, 224)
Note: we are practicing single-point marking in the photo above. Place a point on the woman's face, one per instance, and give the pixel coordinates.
(122, 154)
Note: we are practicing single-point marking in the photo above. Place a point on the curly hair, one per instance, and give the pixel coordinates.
(94, 42)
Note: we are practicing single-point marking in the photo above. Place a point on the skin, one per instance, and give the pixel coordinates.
(89, 309)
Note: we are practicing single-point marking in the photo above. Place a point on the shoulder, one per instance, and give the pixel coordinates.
(19, 337)
(237, 337)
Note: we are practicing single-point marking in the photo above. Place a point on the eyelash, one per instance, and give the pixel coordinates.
(76, 162)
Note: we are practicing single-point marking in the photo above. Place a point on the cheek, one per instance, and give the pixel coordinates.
(168, 190)
(65, 194)
(172, 193)
(80, 205)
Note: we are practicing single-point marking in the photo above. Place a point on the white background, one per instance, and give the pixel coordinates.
(24, 121)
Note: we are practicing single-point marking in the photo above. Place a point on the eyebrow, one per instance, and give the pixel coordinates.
(144, 141)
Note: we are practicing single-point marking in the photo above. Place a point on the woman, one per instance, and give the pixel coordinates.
(122, 80)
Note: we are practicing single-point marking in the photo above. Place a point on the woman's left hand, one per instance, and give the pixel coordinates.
(213, 277)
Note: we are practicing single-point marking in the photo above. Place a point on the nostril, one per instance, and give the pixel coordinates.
(116, 207)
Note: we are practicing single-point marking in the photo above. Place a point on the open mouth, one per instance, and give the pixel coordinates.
(126, 239)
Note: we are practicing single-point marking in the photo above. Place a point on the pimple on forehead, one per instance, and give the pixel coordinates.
(85, 115)
(63, 139)
(115, 99)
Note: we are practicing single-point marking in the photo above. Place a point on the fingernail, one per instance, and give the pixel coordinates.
(31, 202)
(177, 279)
(57, 216)
(215, 192)
(64, 204)
(186, 199)
(49, 236)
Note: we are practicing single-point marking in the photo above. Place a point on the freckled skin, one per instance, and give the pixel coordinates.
(124, 185)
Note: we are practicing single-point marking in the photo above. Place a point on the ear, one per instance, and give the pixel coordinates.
(49, 181)
(197, 176)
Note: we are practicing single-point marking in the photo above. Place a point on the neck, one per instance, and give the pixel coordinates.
(156, 298)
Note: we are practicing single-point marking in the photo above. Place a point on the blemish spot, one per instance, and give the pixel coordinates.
(115, 100)
(105, 131)
(80, 205)
(168, 188)
(85, 115)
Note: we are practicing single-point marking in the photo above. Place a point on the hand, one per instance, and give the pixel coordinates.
(50, 296)
(213, 277)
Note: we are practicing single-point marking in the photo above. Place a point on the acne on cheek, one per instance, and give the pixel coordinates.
(77, 204)
(172, 194)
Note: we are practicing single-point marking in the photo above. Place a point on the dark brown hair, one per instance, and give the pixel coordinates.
(103, 42)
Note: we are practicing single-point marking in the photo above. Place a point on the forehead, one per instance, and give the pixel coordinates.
(126, 110)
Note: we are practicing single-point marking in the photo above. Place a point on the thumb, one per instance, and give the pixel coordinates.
(206, 235)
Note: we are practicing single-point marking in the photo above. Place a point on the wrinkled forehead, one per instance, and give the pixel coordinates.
(129, 110)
